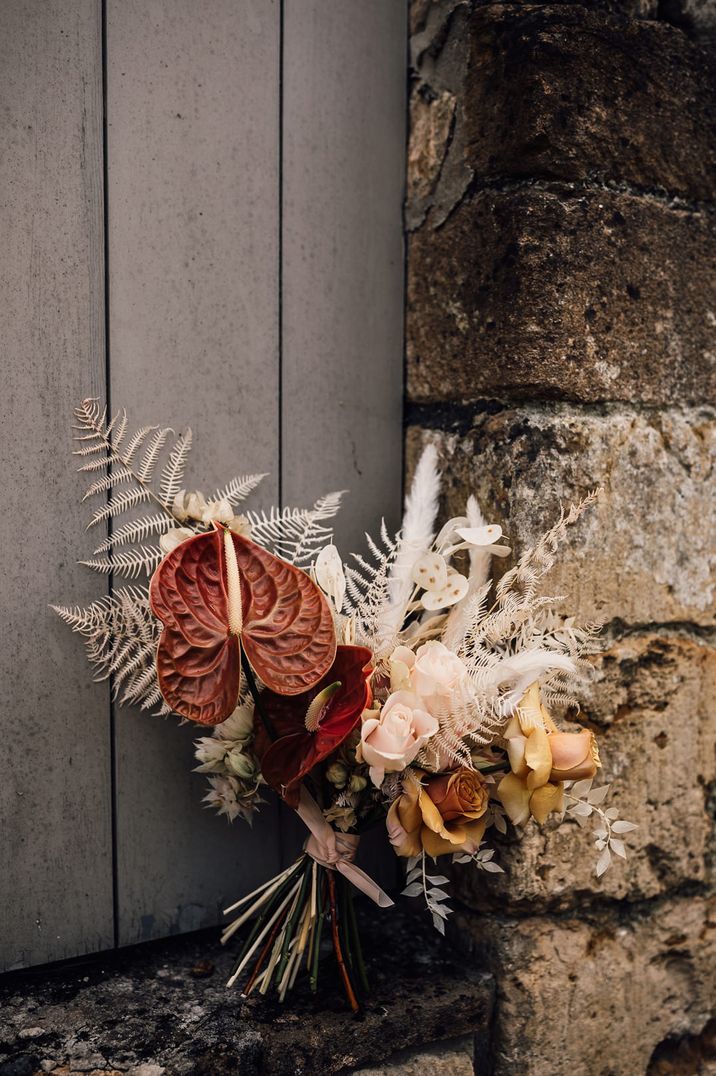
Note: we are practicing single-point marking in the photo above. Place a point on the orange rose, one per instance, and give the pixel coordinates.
(445, 815)
(461, 794)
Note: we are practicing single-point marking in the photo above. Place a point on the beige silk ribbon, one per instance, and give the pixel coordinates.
(336, 851)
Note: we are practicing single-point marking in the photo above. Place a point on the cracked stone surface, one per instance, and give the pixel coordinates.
(162, 1010)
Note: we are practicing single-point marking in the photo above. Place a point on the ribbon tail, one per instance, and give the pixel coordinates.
(364, 883)
(310, 814)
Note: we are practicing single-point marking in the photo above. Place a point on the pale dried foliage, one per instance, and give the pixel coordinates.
(507, 636)
(139, 476)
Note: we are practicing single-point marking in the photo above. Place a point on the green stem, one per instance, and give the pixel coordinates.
(255, 694)
(497, 768)
(295, 918)
(343, 924)
(357, 948)
(318, 931)
(265, 913)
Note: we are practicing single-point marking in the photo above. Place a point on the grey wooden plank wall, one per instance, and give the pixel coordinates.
(253, 269)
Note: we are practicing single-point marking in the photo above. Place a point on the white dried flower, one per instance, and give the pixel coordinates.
(195, 505)
(179, 506)
(240, 525)
(239, 726)
(430, 572)
(174, 537)
(330, 576)
(454, 591)
(219, 511)
(210, 754)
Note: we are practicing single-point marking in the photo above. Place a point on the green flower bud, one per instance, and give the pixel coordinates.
(337, 774)
(240, 764)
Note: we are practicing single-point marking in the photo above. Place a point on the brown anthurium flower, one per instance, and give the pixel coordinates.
(311, 726)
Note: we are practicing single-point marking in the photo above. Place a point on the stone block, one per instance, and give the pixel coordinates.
(563, 294)
(597, 996)
(564, 92)
(651, 705)
(451, 1058)
(644, 553)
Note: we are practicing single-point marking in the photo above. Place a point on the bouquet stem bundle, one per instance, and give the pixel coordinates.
(290, 913)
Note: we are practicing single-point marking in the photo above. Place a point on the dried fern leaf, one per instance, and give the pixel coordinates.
(116, 505)
(238, 489)
(130, 564)
(136, 531)
(151, 454)
(173, 472)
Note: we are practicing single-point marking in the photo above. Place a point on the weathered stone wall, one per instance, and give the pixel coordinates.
(561, 334)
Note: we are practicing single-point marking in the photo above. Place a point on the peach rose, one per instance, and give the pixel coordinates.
(392, 737)
(441, 816)
(575, 755)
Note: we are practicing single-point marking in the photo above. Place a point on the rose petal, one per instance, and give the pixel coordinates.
(538, 757)
(514, 796)
(546, 799)
(516, 753)
(435, 845)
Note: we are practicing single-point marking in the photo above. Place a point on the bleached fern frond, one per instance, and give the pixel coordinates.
(538, 560)
(367, 588)
(106, 446)
(115, 506)
(296, 534)
(135, 442)
(517, 598)
(238, 489)
(136, 531)
(121, 636)
(145, 470)
(118, 476)
(470, 721)
(131, 564)
(170, 482)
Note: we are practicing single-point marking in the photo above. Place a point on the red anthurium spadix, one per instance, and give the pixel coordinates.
(217, 592)
(314, 724)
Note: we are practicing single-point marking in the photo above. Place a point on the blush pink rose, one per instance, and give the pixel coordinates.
(391, 739)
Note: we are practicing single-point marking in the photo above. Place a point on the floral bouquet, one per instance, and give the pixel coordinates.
(407, 689)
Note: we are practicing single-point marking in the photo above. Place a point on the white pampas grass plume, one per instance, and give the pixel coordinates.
(518, 672)
(462, 614)
(416, 538)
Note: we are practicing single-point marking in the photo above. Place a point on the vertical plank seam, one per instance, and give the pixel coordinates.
(281, 24)
(404, 296)
(108, 400)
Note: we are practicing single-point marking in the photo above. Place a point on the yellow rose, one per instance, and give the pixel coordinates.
(541, 758)
(443, 815)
